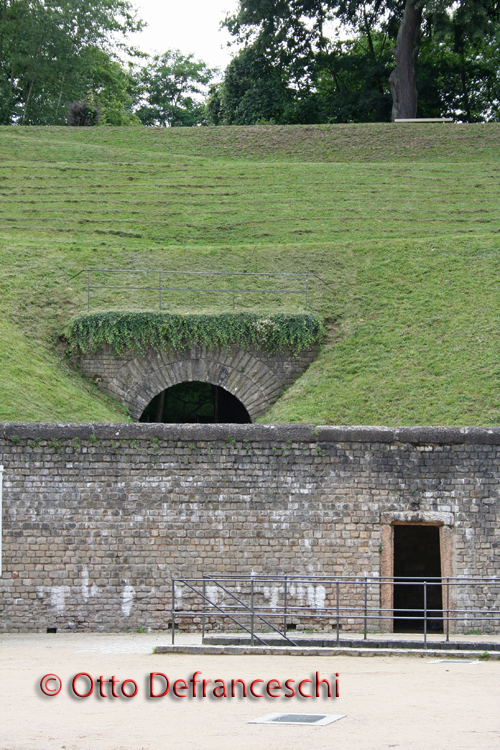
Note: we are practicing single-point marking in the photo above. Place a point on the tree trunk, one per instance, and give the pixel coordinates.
(402, 78)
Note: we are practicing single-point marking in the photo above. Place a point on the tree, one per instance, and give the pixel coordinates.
(462, 80)
(292, 32)
(352, 81)
(44, 45)
(113, 87)
(254, 90)
(172, 87)
(347, 82)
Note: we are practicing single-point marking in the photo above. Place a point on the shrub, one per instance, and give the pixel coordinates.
(83, 113)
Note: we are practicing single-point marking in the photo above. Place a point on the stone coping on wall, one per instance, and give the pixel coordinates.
(254, 433)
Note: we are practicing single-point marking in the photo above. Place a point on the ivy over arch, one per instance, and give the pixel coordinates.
(167, 331)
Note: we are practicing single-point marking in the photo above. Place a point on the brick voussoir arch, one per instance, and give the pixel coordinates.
(253, 376)
(254, 390)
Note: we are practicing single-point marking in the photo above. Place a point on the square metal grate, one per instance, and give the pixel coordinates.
(317, 720)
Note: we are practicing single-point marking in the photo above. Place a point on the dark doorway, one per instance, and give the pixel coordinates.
(195, 402)
(417, 557)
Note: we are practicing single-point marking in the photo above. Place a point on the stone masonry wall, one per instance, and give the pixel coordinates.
(98, 518)
(254, 377)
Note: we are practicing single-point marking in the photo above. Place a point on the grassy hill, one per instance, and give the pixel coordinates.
(400, 222)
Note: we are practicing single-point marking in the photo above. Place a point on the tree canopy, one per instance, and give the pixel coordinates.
(297, 61)
(373, 74)
(172, 89)
(52, 51)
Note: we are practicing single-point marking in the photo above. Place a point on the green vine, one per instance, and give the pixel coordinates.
(166, 331)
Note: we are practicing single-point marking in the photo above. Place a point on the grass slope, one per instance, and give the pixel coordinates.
(400, 222)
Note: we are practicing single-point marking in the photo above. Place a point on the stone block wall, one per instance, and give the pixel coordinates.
(254, 377)
(97, 519)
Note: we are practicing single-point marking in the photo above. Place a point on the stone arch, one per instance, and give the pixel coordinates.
(245, 375)
(256, 379)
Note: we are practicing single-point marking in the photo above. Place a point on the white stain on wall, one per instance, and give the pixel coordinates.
(128, 594)
(311, 595)
(57, 596)
(85, 584)
(272, 593)
(320, 597)
(213, 594)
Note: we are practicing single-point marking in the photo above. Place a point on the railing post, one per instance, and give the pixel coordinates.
(425, 614)
(233, 291)
(366, 606)
(285, 602)
(159, 288)
(447, 609)
(88, 290)
(251, 610)
(173, 611)
(307, 281)
(338, 613)
(203, 611)
(1, 513)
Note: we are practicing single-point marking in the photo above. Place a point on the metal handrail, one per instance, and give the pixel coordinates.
(365, 612)
(211, 603)
(245, 611)
(250, 610)
(233, 290)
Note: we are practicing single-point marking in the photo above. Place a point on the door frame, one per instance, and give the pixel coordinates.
(445, 522)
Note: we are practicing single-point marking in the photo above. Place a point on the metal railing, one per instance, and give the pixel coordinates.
(161, 288)
(254, 603)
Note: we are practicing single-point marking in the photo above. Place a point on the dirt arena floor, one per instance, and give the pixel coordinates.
(388, 702)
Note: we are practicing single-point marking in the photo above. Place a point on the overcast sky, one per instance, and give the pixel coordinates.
(192, 26)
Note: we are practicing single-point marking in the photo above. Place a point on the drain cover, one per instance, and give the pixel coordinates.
(309, 719)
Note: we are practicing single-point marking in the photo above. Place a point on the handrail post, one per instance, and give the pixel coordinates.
(338, 612)
(173, 611)
(88, 290)
(425, 614)
(159, 288)
(307, 281)
(285, 602)
(251, 610)
(203, 611)
(448, 609)
(366, 604)
(233, 291)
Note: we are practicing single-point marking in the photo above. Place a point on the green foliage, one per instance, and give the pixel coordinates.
(83, 114)
(352, 80)
(164, 331)
(319, 79)
(254, 89)
(459, 77)
(171, 85)
(347, 82)
(46, 51)
(114, 87)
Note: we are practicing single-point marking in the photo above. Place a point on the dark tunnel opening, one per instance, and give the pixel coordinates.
(197, 402)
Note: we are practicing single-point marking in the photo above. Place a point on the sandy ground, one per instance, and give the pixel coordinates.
(388, 702)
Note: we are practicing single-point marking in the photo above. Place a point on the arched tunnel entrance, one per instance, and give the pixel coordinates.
(195, 402)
